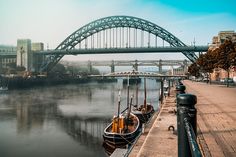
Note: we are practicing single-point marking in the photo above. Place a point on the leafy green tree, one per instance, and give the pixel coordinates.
(225, 55)
(207, 62)
(84, 71)
(232, 55)
(58, 68)
(193, 70)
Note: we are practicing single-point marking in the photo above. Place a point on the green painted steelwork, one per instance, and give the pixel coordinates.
(114, 22)
(187, 49)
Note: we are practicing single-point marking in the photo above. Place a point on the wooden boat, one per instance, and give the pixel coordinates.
(123, 129)
(109, 148)
(145, 111)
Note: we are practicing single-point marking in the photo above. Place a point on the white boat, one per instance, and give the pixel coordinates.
(3, 88)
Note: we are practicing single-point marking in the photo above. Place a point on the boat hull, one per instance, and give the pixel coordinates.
(144, 116)
(121, 139)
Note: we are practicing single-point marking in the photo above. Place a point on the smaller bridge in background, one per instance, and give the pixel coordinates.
(134, 73)
(182, 64)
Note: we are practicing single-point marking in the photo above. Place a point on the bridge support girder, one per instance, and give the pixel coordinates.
(112, 66)
(135, 66)
(90, 67)
(160, 66)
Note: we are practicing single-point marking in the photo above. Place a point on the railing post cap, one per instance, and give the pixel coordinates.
(186, 100)
(179, 82)
(180, 88)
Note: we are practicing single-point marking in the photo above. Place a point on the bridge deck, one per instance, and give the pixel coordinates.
(186, 49)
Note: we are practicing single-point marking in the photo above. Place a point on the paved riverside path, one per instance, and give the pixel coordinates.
(157, 141)
(216, 118)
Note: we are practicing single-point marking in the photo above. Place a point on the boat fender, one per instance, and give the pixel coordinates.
(114, 124)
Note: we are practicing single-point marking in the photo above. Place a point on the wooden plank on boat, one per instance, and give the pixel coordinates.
(119, 152)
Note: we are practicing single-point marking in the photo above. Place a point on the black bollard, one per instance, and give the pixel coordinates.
(168, 87)
(162, 92)
(186, 112)
(172, 83)
(179, 82)
(180, 89)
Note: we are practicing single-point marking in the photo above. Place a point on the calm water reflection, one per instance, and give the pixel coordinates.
(61, 121)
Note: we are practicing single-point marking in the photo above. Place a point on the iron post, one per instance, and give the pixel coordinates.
(169, 87)
(180, 89)
(162, 91)
(186, 114)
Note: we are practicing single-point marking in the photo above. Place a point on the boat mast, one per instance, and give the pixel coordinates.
(118, 114)
(145, 95)
(137, 94)
(127, 120)
(119, 104)
(131, 99)
(128, 92)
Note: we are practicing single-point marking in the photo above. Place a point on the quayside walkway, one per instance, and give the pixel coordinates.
(216, 118)
(157, 141)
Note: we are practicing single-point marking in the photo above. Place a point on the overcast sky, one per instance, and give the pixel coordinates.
(51, 21)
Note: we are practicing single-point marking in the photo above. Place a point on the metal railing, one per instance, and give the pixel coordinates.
(192, 139)
(187, 123)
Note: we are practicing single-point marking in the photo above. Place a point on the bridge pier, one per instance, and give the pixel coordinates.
(112, 66)
(90, 67)
(23, 54)
(26, 55)
(135, 66)
(160, 66)
(1, 63)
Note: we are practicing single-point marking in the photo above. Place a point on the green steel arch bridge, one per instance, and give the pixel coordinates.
(118, 34)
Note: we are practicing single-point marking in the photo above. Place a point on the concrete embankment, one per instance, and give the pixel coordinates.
(216, 122)
(157, 140)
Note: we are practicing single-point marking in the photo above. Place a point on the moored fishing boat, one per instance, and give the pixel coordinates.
(123, 129)
(145, 111)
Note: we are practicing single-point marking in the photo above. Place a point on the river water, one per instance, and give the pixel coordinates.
(59, 121)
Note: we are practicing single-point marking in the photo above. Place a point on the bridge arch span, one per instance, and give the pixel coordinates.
(112, 22)
(115, 22)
